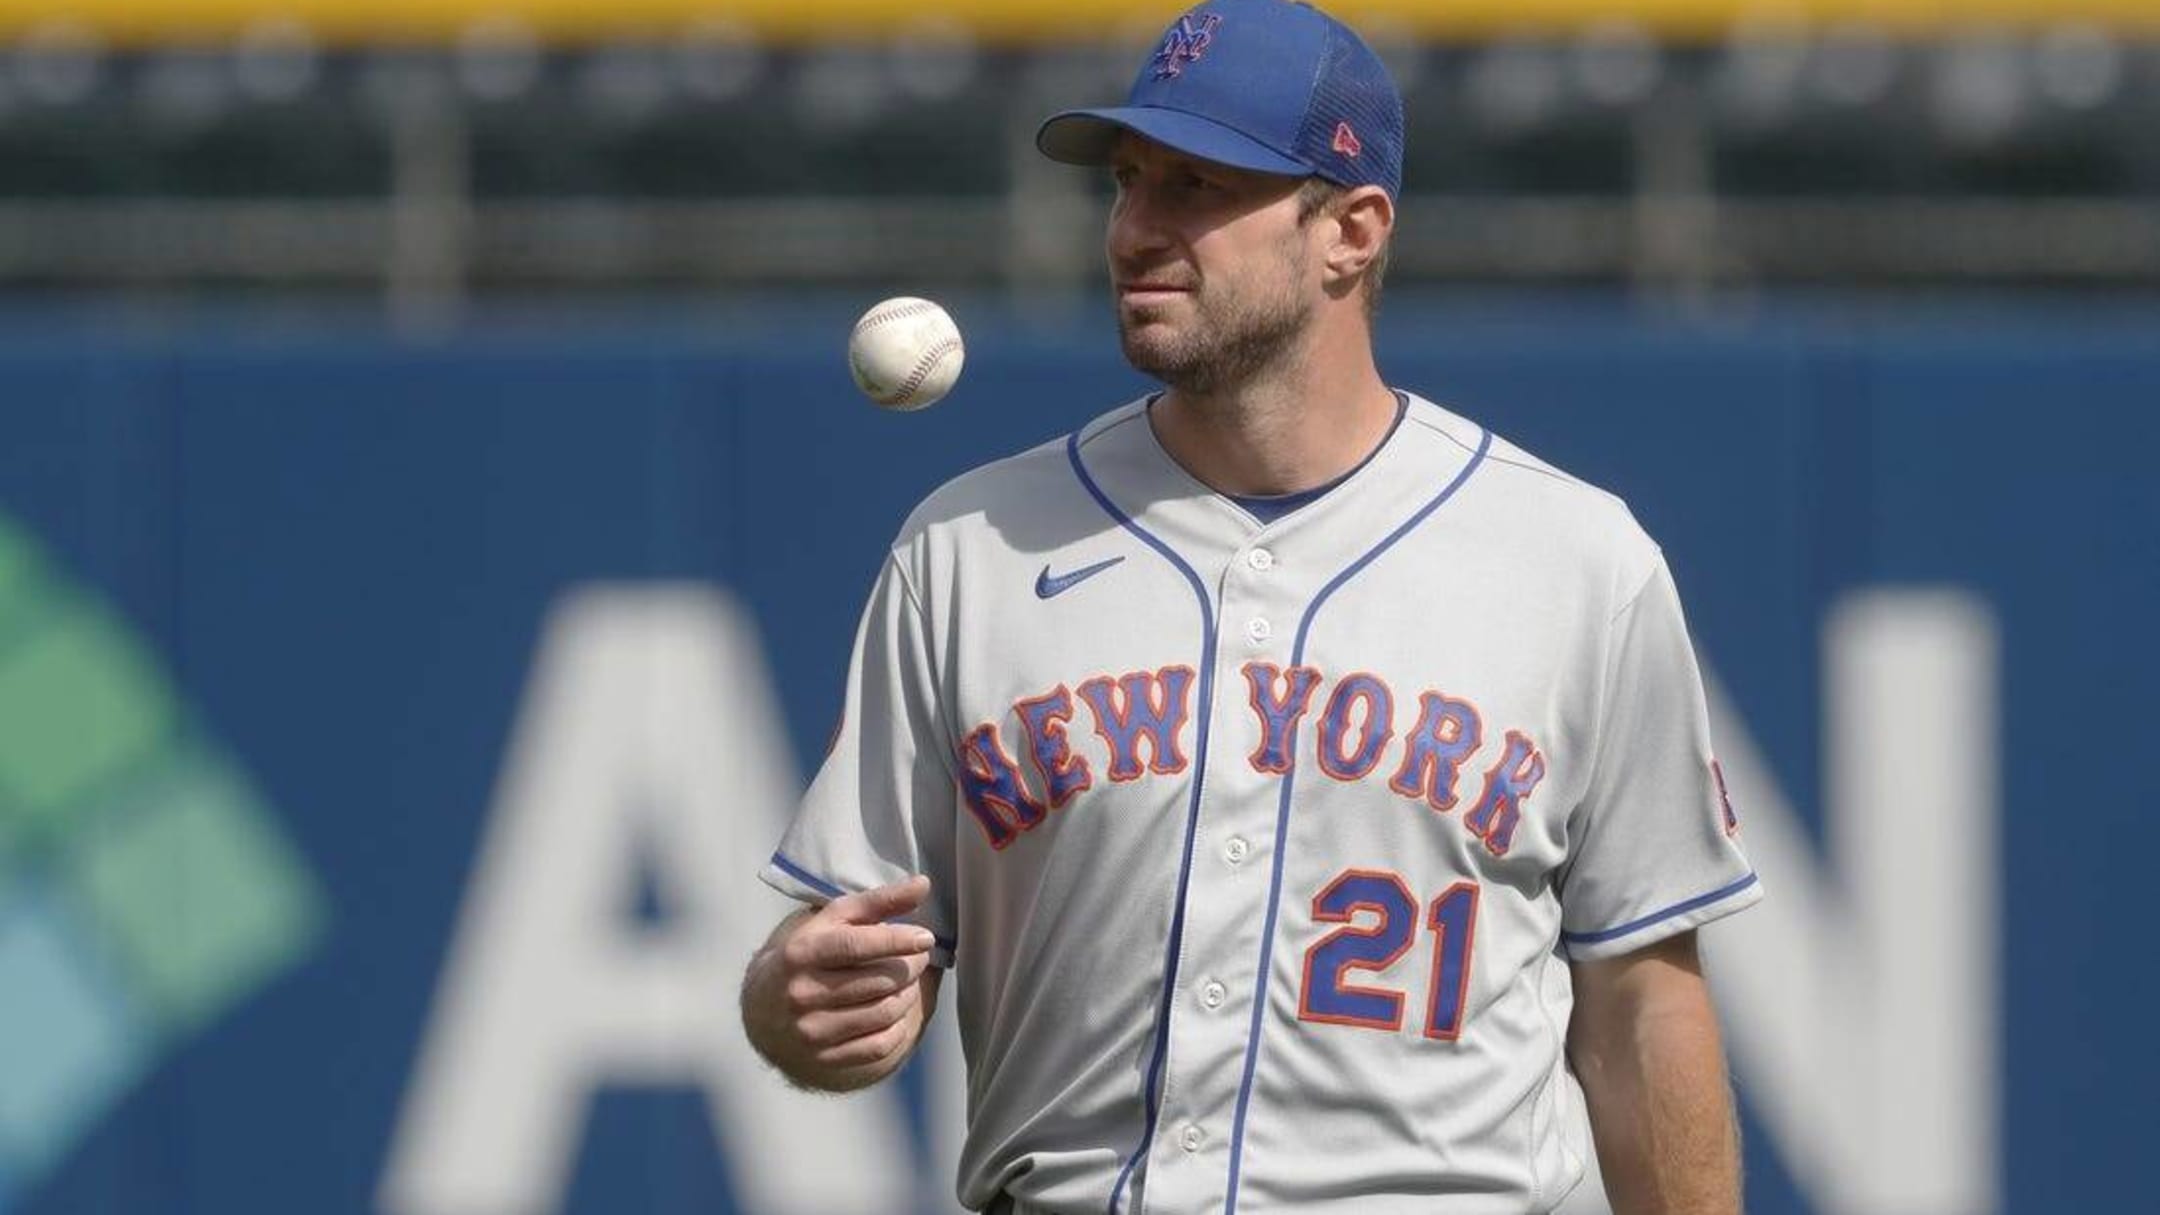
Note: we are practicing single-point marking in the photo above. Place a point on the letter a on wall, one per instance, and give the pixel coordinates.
(648, 740)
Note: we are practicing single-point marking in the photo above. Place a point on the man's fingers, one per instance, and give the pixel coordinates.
(816, 989)
(843, 946)
(880, 903)
(835, 1026)
(868, 1049)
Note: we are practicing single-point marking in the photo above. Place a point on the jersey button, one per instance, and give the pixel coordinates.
(1236, 850)
(1191, 1138)
(1213, 994)
(1260, 559)
(1258, 628)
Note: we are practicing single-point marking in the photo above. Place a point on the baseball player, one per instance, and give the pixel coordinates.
(1308, 792)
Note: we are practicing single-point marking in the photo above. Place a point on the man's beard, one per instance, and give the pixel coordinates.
(1224, 347)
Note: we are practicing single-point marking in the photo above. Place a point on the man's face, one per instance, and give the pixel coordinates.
(1209, 265)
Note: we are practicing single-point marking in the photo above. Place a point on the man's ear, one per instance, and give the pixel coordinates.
(1364, 219)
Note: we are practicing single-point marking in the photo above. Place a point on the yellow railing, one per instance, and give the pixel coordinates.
(367, 22)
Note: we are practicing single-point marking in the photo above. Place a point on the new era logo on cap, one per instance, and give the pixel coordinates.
(1185, 43)
(1346, 140)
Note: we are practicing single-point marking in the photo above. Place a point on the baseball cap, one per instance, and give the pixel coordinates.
(1267, 85)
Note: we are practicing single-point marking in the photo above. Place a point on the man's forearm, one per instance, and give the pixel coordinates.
(1653, 1070)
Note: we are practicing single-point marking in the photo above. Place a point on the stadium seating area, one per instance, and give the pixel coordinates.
(1535, 157)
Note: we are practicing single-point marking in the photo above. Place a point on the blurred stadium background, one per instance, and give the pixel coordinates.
(447, 152)
(433, 511)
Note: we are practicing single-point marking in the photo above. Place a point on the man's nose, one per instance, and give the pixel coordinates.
(1136, 225)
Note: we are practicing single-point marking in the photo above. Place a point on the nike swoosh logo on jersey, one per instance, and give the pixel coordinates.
(1047, 587)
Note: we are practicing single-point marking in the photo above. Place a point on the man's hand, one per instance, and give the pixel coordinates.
(837, 997)
(1644, 1041)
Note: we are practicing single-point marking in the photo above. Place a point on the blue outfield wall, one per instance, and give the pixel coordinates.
(275, 611)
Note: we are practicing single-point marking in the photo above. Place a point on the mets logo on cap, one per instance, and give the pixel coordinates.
(1185, 43)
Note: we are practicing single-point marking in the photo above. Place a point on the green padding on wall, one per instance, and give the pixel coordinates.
(80, 704)
(197, 897)
(18, 570)
(68, 1045)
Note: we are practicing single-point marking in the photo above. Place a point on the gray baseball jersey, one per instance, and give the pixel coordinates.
(1258, 851)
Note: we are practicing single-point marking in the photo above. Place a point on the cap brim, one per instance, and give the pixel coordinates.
(1084, 137)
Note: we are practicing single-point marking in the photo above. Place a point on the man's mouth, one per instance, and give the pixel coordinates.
(1150, 291)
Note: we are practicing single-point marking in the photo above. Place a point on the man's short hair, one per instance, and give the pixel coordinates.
(1318, 194)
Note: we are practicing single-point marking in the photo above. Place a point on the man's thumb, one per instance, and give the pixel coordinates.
(881, 903)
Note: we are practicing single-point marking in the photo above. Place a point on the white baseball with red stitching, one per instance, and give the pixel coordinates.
(905, 353)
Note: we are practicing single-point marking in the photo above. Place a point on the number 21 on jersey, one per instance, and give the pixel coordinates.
(1327, 994)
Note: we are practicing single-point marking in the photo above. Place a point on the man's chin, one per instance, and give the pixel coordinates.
(1145, 322)
(1150, 353)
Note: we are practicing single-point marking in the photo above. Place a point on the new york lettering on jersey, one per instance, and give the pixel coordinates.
(1141, 716)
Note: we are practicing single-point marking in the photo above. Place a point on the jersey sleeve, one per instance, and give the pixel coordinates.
(1657, 849)
(881, 805)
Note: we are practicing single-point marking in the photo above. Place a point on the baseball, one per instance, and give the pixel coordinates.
(905, 353)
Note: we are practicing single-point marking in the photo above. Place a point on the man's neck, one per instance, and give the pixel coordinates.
(1280, 434)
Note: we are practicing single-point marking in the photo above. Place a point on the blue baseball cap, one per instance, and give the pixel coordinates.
(1267, 85)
